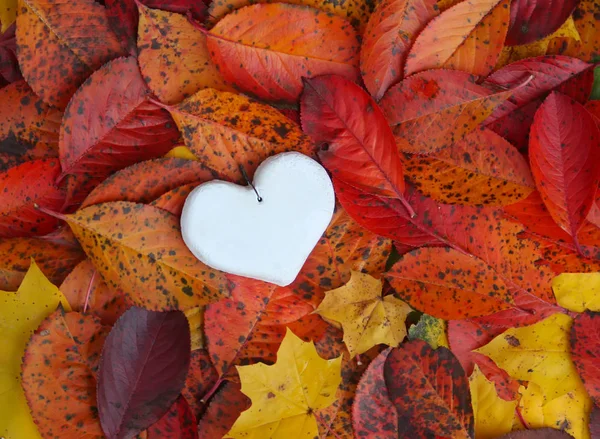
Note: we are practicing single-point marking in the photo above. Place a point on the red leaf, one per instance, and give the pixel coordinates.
(110, 123)
(143, 368)
(174, 200)
(585, 351)
(533, 20)
(540, 433)
(564, 152)
(9, 66)
(224, 408)
(21, 188)
(201, 378)
(358, 145)
(392, 28)
(595, 422)
(430, 390)
(179, 422)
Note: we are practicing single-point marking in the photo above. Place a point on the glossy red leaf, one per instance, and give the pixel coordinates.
(564, 151)
(179, 422)
(143, 368)
(585, 351)
(21, 188)
(533, 20)
(110, 122)
(390, 32)
(223, 410)
(357, 145)
(202, 375)
(429, 390)
(433, 109)
(9, 66)
(145, 181)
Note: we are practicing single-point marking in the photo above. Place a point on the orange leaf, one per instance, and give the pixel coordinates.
(483, 168)
(174, 200)
(138, 249)
(469, 36)
(267, 49)
(391, 31)
(173, 56)
(56, 52)
(226, 130)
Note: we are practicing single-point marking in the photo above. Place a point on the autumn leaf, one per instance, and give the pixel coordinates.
(20, 314)
(585, 351)
(8, 14)
(493, 415)
(273, 38)
(59, 374)
(392, 28)
(174, 57)
(577, 291)
(469, 37)
(286, 396)
(565, 167)
(222, 412)
(174, 200)
(56, 53)
(110, 122)
(178, 422)
(538, 433)
(530, 21)
(430, 329)
(366, 317)
(143, 368)
(201, 377)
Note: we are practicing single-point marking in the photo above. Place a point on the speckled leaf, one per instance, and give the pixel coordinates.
(110, 123)
(469, 37)
(8, 14)
(144, 364)
(483, 168)
(59, 375)
(226, 130)
(87, 292)
(430, 390)
(224, 408)
(200, 379)
(448, 284)
(264, 49)
(538, 433)
(594, 422)
(179, 422)
(434, 109)
(357, 145)
(145, 181)
(564, 151)
(21, 188)
(390, 33)
(533, 20)
(174, 200)
(373, 414)
(55, 254)
(56, 53)
(28, 127)
(174, 57)
(9, 66)
(585, 351)
(134, 245)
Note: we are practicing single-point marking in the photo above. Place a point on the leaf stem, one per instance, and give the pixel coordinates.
(195, 24)
(408, 207)
(57, 215)
(212, 391)
(521, 418)
(89, 290)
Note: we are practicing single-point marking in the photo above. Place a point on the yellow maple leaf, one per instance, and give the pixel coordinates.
(20, 314)
(493, 415)
(8, 13)
(367, 318)
(286, 395)
(577, 291)
(540, 354)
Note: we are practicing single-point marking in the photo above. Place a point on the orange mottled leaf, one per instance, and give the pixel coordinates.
(483, 168)
(224, 408)
(226, 131)
(173, 56)
(59, 375)
(390, 33)
(56, 53)
(200, 379)
(138, 249)
(174, 200)
(267, 49)
(469, 36)
(433, 109)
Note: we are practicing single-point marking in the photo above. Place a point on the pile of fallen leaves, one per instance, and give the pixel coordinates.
(455, 293)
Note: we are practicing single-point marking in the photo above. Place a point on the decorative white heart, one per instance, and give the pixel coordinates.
(226, 227)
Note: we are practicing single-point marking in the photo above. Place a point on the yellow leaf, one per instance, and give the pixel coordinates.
(286, 395)
(430, 329)
(195, 318)
(577, 291)
(569, 411)
(8, 13)
(366, 317)
(181, 152)
(20, 314)
(493, 415)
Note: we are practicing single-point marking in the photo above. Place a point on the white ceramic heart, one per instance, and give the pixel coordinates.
(226, 227)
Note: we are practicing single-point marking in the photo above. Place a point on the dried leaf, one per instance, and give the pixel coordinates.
(430, 329)
(143, 368)
(265, 49)
(367, 317)
(585, 351)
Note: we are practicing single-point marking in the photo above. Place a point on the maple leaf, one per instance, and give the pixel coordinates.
(286, 395)
(366, 317)
(577, 291)
(20, 315)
